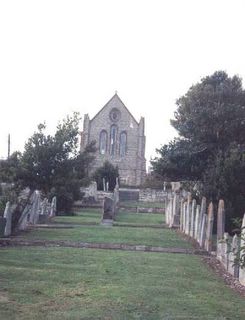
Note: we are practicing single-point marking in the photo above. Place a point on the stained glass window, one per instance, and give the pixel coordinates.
(123, 143)
(113, 139)
(103, 142)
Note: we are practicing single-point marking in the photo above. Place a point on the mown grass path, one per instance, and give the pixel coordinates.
(80, 283)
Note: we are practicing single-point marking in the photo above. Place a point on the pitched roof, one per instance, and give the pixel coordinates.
(115, 96)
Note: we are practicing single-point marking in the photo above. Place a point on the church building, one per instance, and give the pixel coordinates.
(120, 139)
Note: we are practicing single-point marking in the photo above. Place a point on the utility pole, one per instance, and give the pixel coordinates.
(8, 146)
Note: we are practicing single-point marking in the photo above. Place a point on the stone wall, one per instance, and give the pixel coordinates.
(126, 194)
(144, 195)
(152, 195)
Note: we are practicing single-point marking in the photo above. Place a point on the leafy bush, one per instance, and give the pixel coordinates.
(109, 173)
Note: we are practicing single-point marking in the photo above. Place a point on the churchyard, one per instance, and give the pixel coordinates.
(137, 268)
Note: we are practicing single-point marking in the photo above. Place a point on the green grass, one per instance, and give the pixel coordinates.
(94, 216)
(103, 234)
(88, 216)
(140, 218)
(142, 204)
(75, 284)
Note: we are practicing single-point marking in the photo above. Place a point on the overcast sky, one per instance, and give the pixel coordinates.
(62, 56)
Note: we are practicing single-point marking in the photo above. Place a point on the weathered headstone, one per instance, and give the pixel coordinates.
(188, 215)
(197, 222)
(168, 211)
(233, 266)
(170, 217)
(184, 216)
(23, 221)
(117, 183)
(35, 208)
(53, 207)
(92, 190)
(193, 215)
(91, 194)
(226, 248)
(44, 207)
(242, 252)
(181, 213)
(223, 250)
(116, 198)
(202, 212)
(8, 216)
(104, 184)
(221, 221)
(108, 209)
(44, 211)
(176, 211)
(203, 231)
(209, 233)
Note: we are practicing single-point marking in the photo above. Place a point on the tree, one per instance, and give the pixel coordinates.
(179, 160)
(212, 113)
(53, 164)
(10, 168)
(210, 120)
(109, 173)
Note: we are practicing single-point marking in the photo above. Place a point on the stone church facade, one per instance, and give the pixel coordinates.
(120, 139)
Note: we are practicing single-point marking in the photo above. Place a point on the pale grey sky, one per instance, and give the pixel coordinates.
(62, 56)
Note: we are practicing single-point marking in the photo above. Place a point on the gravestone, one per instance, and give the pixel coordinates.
(242, 271)
(35, 207)
(170, 212)
(181, 213)
(43, 216)
(8, 216)
(176, 211)
(233, 267)
(26, 213)
(44, 207)
(202, 213)
(104, 185)
(226, 250)
(197, 222)
(221, 221)
(116, 198)
(184, 216)
(92, 190)
(23, 221)
(91, 194)
(193, 214)
(108, 209)
(117, 183)
(53, 207)
(188, 215)
(203, 231)
(209, 233)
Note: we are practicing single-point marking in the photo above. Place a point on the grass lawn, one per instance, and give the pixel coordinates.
(68, 283)
(88, 216)
(142, 204)
(94, 216)
(141, 218)
(103, 234)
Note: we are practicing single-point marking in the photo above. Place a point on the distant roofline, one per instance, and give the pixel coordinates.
(109, 102)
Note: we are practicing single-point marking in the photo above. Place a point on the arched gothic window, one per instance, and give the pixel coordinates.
(103, 142)
(123, 143)
(113, 139)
